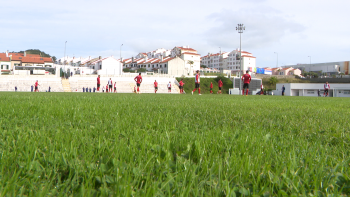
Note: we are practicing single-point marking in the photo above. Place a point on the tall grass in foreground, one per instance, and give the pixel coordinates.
(85, 144)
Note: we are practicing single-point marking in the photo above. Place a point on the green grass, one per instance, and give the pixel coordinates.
(205, 85)
(85, 144)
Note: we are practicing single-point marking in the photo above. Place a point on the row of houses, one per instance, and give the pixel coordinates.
(177, 61)
(11, 61)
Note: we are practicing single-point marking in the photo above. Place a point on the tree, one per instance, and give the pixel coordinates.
(190, 62)
(204, 66)
(273, 80)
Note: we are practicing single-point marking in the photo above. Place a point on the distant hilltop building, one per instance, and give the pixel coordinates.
(229, 61)
(10, 62)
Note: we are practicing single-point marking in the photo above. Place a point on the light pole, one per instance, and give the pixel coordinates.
(277, 59)
(120, 52)
(220, 59)
(240, 28)
(64, 61)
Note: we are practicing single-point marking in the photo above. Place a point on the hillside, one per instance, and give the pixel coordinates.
(36, 51)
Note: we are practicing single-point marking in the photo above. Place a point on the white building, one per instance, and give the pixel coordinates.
(312, 89)
(73, 61)
(155, 61)
(329, 68)
(188, 55)
(106, 66)
(5, 63)
(230, 61)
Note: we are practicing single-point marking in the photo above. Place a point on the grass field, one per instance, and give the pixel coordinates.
(85, 144)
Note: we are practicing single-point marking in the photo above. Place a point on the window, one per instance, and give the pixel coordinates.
(157, 65)
(93, 67)
(310, 92)
(100, 66)
(153, 66)
(2, 66)
(7, 67)
(20, 57)
(164, 65)
(161, 66)
(149, 65)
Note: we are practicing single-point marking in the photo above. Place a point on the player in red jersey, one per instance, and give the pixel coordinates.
(261, 89)
(181, 86)
(138, 80)
(98, 83)
(155, 86)
(115, 87)
(36, 86)
(211, 87)
(246, 80)
(326, 87)
(220, 84)
(197, 83)
(107, 88)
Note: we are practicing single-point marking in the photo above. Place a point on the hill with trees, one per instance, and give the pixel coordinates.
(37, 51)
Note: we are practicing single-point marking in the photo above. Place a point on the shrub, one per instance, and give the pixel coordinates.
(273, 80)
(141, 70)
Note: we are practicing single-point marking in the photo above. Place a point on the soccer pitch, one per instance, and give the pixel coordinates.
(91, 144)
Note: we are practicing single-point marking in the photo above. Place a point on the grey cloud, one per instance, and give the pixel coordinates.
(263, 27)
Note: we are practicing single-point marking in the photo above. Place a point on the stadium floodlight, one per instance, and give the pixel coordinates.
(277, 59)
(120, 52)
(64, 60)
(310, 60)
(240, 28)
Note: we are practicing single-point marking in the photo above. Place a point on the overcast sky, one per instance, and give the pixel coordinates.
(294, 29)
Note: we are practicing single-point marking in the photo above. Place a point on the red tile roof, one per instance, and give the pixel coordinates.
(248, 56)
(188, 53)
(32, 60)
(189, 49)
(167, 60)
(4, 58)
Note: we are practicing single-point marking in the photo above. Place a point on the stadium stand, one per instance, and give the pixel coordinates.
(24, 83)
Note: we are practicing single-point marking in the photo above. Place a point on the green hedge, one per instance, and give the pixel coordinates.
(205, 84)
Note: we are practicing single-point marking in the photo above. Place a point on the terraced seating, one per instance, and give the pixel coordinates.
(8, 83)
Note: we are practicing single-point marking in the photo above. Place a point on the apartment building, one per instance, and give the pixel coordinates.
(166, 61)
(229, 61)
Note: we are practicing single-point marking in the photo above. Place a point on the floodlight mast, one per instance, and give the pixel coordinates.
(240, 28)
